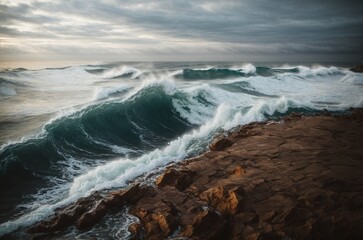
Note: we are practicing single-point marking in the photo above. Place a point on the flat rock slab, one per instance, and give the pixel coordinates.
(300, 178)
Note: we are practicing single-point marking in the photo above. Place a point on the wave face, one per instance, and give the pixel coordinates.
(136, 125)
(98, 127)
(212, 73)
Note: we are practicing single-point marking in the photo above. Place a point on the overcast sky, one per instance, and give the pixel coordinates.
(245, 30)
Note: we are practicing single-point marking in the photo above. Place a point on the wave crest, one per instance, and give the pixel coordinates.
(122, 71)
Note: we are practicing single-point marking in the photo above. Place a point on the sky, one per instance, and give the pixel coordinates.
(181, 30)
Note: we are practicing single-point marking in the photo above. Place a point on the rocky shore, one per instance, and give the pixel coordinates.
(298, 178)
(358, 68)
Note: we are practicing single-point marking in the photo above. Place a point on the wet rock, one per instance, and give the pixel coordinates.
(246, 131)
(88, 211)
(357, 69)
(53, 225)
(93, 216)
(311, 189)
(220, 143)
(325, 112)
(128, 196)
(135, 231)
(292, 116)
(67, 216)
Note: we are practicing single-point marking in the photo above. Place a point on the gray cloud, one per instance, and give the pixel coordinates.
(193, 30)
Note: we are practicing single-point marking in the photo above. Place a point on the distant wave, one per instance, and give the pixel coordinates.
(162, 115)
(319, 71)
(7, 87)
(251, 70)
(102, 93)
(130, 124)
(121, 72)
(118, 173)
(7, 91)
(212, 73)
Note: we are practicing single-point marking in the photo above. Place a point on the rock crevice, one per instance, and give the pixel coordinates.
(294, 179)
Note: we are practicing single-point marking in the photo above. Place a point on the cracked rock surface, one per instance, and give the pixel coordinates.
(301, 178)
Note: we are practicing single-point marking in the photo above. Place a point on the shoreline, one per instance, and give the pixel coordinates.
(298, 178)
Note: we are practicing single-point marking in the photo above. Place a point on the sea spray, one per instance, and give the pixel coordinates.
(138, 118)
(122, 71)
(119, 172)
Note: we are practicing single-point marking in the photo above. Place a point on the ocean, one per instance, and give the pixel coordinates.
(67, 132)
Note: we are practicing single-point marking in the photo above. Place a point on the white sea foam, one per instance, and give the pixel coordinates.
(119, 172)
(248, 69)
(101, 93)
(28, 219)
(202, 101)
(211, 108)
(353, 78)
(318, 71)
(359, 103)
(164, 81)
(205, 68)
(121, 71)
(71, 76)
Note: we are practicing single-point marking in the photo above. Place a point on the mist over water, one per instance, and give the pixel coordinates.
(66, 132)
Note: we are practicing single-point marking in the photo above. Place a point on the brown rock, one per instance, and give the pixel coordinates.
(165, 221)
(168, 178)
(292, 116)
(180, 179)
(93, 216)
(152, 230)
(55, 224)
(140, 212)
(67, 216)
(159, 224)
(159, 220)
(208, 225)
(185, 180)
(238, 171)
(130, 195)
(135, 230)
(224, 201)
(325, 112)
(302, 179)
(88, 211)
(253, 236)
(358, 68)
(220, 143)
(249, 233)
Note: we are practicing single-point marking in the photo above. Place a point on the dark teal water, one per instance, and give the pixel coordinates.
(138, 117)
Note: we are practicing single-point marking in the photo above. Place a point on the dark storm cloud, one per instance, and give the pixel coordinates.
(331, 28)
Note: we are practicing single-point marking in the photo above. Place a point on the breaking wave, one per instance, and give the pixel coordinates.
(148, 121)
